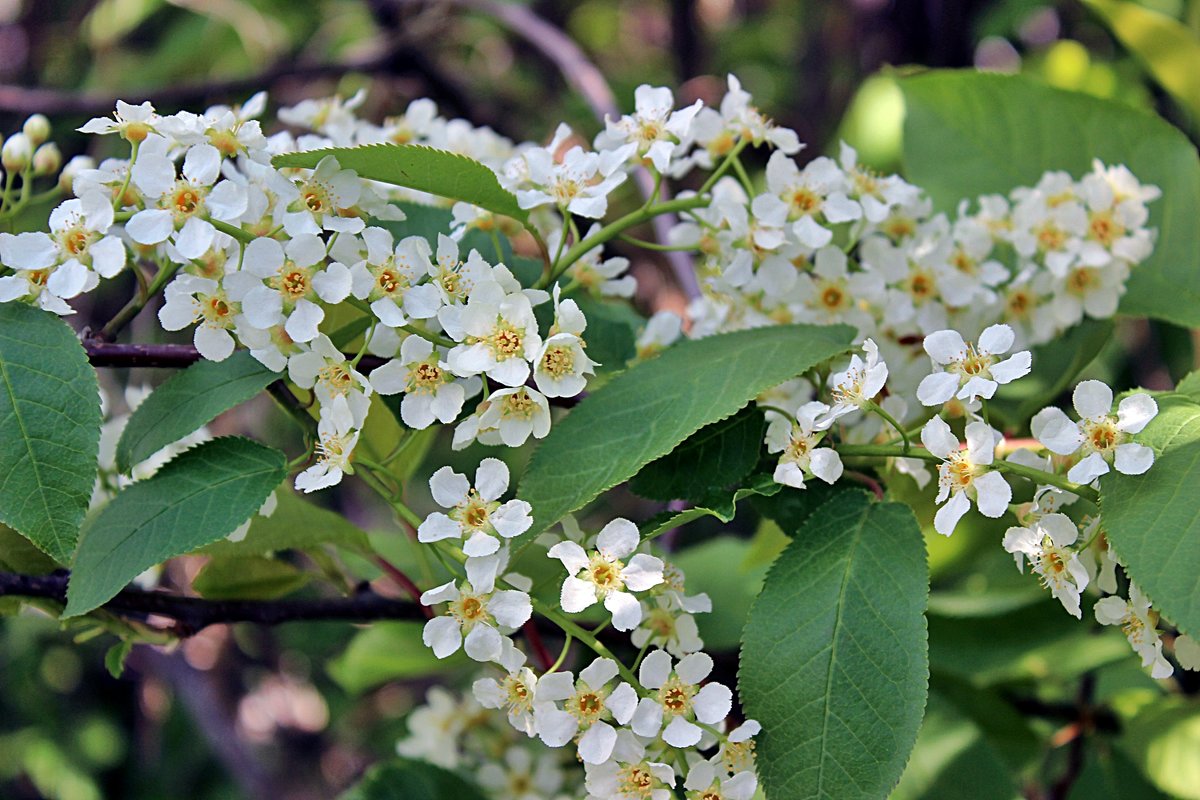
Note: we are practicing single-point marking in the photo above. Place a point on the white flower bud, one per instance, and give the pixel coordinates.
(47, 159)
(66, 180)
(17, 153)
(37, 128)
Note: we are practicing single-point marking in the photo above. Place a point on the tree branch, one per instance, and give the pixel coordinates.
(193, 614)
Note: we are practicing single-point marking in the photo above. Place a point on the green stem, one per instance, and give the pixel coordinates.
(138, 301)
(588, 639)
(616, 228)
(724, 167)
(663, 248)
(562, 654)
(747, 184)
(890, 420)
(429, 336)
(245, 237)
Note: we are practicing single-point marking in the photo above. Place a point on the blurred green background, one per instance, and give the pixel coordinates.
(298, 712)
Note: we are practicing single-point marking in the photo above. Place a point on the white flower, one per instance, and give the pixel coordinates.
(1133, 616)
(499, 336)
(1187, 652)
(435, 727)
(511, 416)
(587, 704)
(662, 330)
(322, 367)
(192, 299)
(797, 443)
(580, 183)
(1047, 541)
(1101, 436)
(520, 776)
(286, 283)
(319, 199)
(386, 275)
(654, 127)
(514, 693)
(633, 779)
(561, 364)
(430, 392)
(971, 371)
(963, 475)
(133, 123)
(604, 575)
(337, 436)
(476, 614)
(476, 513)
(856, 387)
(677, 698)
(666, 626)
(709, 781)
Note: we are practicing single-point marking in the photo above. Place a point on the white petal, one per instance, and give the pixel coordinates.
(151, 226)
(449, 488)
(555, 728)
(681, 733)
(642, 572)
(483, 643)
(993, 494)
(1088, 469)
(618, 538)
(622, 702)
(511, 609)
(945, 347)
(214, 343)
(303, 321)
(572, 556)
(938, 438)
(596, 745)
(1093, 399)
(1054, 429)
(438, 526)
(826, 464)
(577, 595)
(442, 635)
(491, 479)
(694, 668)
(1135, 411)
(332, 284)
(713, 703)
(948, 515)
(512, 519)
(1133, 458)
(481, 544)
(937, 388)
(656, 668)
(1016, 366)
(626, 610)
(996, 339)
(599, 672)
(195, 238)
(647, 720)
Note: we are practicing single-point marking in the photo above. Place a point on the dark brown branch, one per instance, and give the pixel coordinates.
(171, 356)
(193, 614)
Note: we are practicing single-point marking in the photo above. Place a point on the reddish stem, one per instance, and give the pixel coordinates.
(404, 582)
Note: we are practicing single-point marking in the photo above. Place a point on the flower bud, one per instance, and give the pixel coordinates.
(47, 159)
(66, 179)
(37, 128)
(17, 153)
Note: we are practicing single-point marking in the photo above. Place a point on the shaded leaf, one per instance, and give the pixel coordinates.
(198, 497)
(717, 455)
(49, 429)
(243, 577)
(387, 651)
(186, 401)
(405, 779)
(296, 524)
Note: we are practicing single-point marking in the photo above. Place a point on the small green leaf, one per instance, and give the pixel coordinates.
(404, 779)
(1153, 520)
(968, 133)
(243, 577)
(722, 505)
(1190, 385)
(296, 524)
(415, 166)
(17, 554)
(643, 413)
(49, 429)
(717, 455)
(834, 662)
(188, 400)
(1168, 49)
(387, 651)
(200, 496)
(115, 657)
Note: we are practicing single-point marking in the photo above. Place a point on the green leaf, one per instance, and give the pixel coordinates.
(115, 657)
(1190, 385)
(968, 133)
(722, 505)
(387, 651)
(834, 662)
(296, 524)
(244, 577)
(718, 567)
(1056, 365)
(1153, 520)
(611, 335)
(1108, 773)
(198, 497)
(188, 400)
(717, 455)
(405, 779)
(1167, 48)
(416, 166)
(428, 221)
(644, 412)
(49, 429)
(17, 554)
(1163, 740)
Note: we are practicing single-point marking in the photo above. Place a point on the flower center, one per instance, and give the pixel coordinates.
(292, 282)
(558, 361)
(470, 610)
(216, 309)
(75, 240)
(605, 573)
(426, 376)
(1081, 280)
(186, 200)
(586, 705)
(957, 472)
(519, 404)
(676, 697)
(1104, 229)
(805, 201)
(636, 781)
(1051, 237)
(1101, 436)
(337, 378)
(389, 281)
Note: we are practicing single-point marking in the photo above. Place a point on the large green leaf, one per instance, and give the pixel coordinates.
(717, 455)
(243, 577)
(188, 400)
(968, 133)
(1164, 740)
(415, 166)
(1153, 520)
(834, 662)
(1168, 49)
(388, 651)
(49, 429)
(644, 412)
(200, 496)
(405, 779)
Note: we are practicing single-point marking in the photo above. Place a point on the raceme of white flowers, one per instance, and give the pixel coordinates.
(946, 308)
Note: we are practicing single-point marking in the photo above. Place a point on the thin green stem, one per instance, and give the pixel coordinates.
(747, 184)
(245, 237)
(133, 154)
(724, 166)
(875, 408)
(429, 336)
(562, 654)
(588, 639)
(136, 303)
(614, 229)
(662, 248)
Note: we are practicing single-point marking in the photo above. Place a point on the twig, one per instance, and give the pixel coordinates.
(1084, 727)
(194, 614)
(404, 582)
